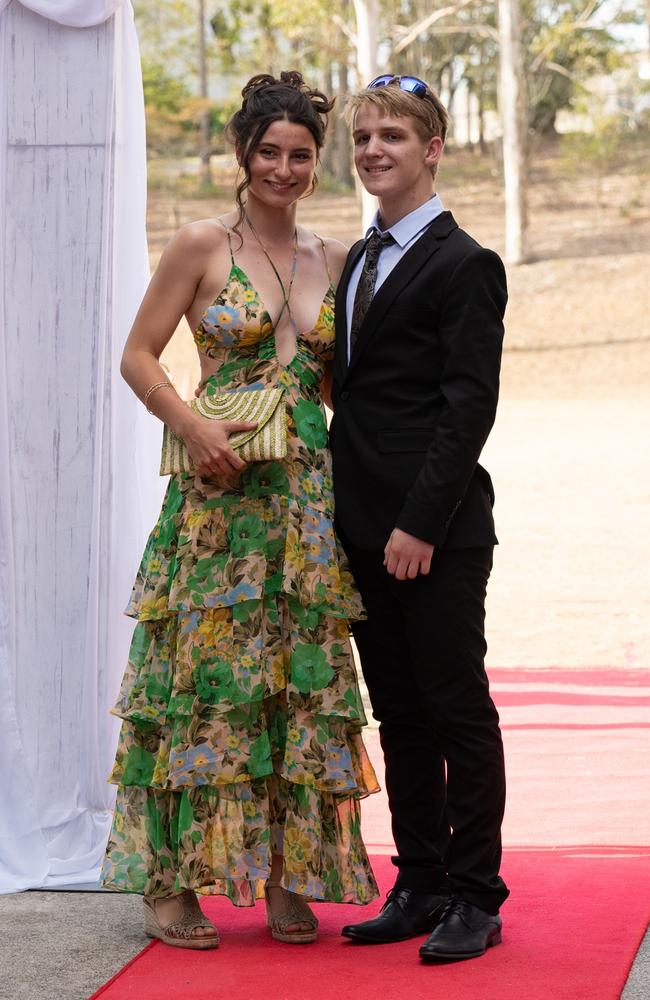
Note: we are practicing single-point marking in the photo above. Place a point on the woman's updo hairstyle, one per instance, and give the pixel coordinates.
(267, 100)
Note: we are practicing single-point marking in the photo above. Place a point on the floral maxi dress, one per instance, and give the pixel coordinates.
(241, 707)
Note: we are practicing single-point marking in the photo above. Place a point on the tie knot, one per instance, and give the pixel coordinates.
(379, 240)
(374, 246)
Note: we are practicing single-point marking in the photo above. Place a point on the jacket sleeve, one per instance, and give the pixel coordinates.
(471, 336)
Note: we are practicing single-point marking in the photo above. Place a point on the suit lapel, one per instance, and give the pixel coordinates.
(412, 261)
(340, 310)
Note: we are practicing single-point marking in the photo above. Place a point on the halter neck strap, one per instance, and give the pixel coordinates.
(229, 235)
(327, 265)
(286, 292)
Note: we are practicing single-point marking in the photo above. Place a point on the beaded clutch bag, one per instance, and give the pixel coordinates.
(266, 442)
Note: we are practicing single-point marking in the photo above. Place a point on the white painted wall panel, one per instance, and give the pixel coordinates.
(70, 85)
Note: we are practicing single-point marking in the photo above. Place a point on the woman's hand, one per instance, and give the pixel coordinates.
(208, 444)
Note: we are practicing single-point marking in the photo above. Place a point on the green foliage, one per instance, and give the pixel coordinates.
(595, 153)
(167, 33)
(162, 91)
(220, 115)
(245, 35)
(564, 45)
(274, 34)
(461, 45)
(563, 50)
(174, 114)
(308, 27)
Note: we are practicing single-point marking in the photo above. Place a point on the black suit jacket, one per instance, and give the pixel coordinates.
(415, 405)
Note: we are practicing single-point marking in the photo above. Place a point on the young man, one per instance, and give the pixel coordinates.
(419, 321)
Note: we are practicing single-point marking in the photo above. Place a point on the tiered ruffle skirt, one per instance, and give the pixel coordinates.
(242, 714)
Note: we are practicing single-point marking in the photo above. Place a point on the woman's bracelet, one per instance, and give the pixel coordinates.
(152, 389)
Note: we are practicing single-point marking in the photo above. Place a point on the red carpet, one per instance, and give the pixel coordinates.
(570, 933)
(577, 745)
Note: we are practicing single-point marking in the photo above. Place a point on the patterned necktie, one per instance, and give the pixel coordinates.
(367, 279)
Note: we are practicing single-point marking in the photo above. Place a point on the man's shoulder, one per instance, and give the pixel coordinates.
(463, 243)
(465, 240)
(463, 251)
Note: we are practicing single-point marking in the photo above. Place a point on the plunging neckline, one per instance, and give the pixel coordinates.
(264, 312)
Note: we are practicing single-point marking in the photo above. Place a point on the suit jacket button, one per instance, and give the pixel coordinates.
(345, 395)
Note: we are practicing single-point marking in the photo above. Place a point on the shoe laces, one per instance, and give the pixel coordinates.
(395, 895)
(453, 905)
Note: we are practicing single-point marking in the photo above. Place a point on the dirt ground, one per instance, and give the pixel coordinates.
(570, 453)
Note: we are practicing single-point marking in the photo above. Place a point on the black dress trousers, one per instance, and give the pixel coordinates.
(422, 651)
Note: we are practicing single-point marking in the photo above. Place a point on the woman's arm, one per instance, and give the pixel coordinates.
(170, 295)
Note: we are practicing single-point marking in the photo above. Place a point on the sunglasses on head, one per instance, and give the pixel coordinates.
(411, 84)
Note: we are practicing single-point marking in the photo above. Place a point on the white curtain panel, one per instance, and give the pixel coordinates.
(79, 487)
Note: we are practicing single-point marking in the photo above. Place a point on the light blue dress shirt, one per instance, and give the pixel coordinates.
(405, 232)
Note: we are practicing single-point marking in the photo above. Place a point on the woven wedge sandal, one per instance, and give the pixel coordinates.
(296, 911)
(179, 933)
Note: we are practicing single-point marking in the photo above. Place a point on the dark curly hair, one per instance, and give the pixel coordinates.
(267, 100)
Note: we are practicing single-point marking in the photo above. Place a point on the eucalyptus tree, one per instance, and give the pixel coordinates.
(512, 102)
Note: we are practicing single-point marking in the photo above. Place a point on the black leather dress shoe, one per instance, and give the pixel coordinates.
(464, 931)
(405, 914)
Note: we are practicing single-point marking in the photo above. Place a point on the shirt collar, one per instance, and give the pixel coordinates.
(406, 228)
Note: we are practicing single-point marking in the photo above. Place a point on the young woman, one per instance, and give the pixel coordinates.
(240, 763)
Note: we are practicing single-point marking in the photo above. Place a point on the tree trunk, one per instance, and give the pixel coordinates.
(468, 114)
(482, 145)
(205, 177)
(343, 161)
(367, 17)
(328, 157)
(481, 104)
(513, 122)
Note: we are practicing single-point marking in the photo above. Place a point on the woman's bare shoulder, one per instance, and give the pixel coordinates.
(336, 253)
(201, 236)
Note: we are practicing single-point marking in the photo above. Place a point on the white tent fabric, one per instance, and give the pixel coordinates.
(79, 487)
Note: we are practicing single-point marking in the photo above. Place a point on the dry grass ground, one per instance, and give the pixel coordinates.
(570, 452)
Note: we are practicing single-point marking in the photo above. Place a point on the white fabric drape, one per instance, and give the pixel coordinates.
(79, 487)
(72, 13)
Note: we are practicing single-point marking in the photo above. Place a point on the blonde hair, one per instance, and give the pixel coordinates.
(429, 114)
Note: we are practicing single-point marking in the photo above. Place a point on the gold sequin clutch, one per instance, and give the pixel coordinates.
(266, 442)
